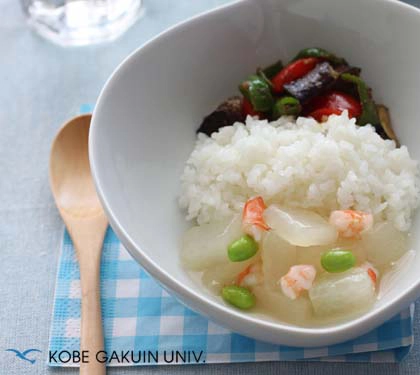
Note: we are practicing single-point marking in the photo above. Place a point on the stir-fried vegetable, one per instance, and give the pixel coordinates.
(242, 249)
(334, 102)
(261, 74)
(369, 114)
(315, 82)
(286, 106)
(385, 121)
(256, 90)
(320, 53)
(271, 70)
(248, 109)
(322, 114)
(238, 296)
(293, 71)
(338, 260)
(227, 113)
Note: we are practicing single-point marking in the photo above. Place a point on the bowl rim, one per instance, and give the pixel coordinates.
(239, 321)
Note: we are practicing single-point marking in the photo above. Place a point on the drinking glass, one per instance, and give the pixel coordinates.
(81, 22)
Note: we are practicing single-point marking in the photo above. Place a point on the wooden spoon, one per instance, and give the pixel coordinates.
(76, 199)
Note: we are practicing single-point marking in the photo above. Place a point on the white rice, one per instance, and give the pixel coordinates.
(329, 166)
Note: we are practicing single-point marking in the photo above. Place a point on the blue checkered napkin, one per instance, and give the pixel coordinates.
(140, 316)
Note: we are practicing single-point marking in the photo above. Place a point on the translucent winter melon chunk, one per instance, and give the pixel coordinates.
(356, 246)
(342, 293)
(277, 257)
(392, 277)
(206, 245)
(385, 244)
(276, 304)
(300, 227)
(216, 277)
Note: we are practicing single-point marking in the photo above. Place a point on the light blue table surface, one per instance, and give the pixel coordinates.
(41, 86)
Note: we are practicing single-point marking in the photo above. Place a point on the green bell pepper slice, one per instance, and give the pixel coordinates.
(320, 53)
(369, 113)
(258, 92)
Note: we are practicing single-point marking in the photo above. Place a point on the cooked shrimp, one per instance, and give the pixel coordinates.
(298, 279)
(372, 271)
(250, 276)
(252, 218)
(350, 223)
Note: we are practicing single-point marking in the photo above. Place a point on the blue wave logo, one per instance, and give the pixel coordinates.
(23, 355)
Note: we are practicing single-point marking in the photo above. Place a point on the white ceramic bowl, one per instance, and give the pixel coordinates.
(145, 120)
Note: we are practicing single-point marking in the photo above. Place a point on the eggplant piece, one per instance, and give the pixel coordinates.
(385, 122)
(318, 80)
(226, 114)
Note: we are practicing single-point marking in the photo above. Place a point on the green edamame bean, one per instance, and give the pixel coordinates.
(337, 260)
(242, 249)
(238, 296)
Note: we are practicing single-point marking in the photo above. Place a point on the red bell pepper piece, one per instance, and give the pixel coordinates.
(293, 71)
(248, 109)
(334, 102)
(321, 114)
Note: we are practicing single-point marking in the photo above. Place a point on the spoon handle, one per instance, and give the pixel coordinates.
(91, 333)
(88, 237)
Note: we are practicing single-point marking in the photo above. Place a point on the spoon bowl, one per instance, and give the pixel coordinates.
(73, 186)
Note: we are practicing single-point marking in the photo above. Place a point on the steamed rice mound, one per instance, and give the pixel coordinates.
(328, 166)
